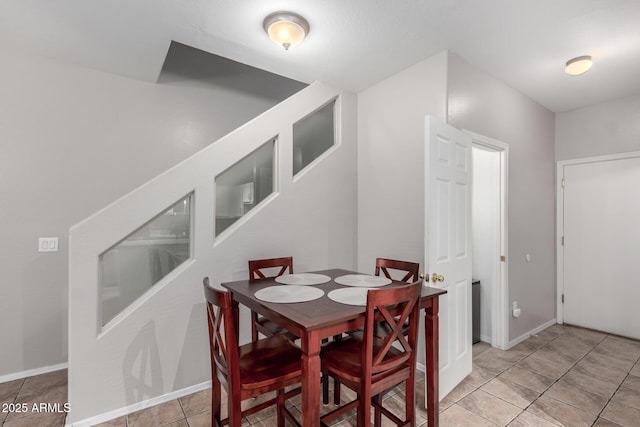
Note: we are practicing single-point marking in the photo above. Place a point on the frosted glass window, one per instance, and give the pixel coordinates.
(312, 136)
(143, 258)
(244, 185)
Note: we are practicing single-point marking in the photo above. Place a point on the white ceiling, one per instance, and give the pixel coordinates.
(352, 43)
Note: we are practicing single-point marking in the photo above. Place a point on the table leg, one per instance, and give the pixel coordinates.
(431, 339)
(310, 344)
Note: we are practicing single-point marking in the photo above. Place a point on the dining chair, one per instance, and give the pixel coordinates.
(250, 370)
(409, 272)
(372, 365)
(258, 269)
(411, 269)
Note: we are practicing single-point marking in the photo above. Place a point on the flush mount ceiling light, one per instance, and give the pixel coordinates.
(579, 65)
(286, 29)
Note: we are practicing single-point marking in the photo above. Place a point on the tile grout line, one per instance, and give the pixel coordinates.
(551, 385)
(183, 412)
(568, 370)
(504, 370)
(497, 397)
(15, 398)
(615, 392)
(530, 354)
(598, 416)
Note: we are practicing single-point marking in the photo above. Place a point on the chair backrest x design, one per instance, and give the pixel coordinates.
(391, 307)
(256, 266)
(222, 314)
(383, 265)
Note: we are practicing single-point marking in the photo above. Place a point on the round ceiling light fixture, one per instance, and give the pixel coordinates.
(286, 29)
(578, 65)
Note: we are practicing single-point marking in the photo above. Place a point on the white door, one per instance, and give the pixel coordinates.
(602, 245)
(448, 243)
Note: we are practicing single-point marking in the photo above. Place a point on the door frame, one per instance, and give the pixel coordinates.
(560, 217)
(499, 292)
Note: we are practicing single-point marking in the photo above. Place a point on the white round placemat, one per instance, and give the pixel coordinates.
(363, 280)
(350, 296)
(288, 293)
(303, 279)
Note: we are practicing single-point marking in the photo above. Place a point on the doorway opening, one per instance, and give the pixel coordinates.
(489, 224)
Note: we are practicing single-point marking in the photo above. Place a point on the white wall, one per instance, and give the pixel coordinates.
(391, 161)
(73, 140)
(486, 216)
(484, 105)
(607, 128)
(160, 346)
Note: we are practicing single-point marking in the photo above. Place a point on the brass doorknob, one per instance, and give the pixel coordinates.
(437, 278)
(423, 276)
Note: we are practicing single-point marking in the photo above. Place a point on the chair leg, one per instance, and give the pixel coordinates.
(336, 392)
(235, 413)
(280, 407)
(364, 409)
(215, 403)
(377, 421)
(254, 331)
(410, 402)
(325, 388)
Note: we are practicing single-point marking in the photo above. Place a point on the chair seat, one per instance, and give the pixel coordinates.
(345, 357)
(268, 360)
(268, 327)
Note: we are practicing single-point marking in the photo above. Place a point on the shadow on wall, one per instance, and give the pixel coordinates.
(141, 368)
(194, 360)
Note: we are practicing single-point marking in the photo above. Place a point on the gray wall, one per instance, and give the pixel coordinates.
(73, 140)
(482, 104)
(391, 117)
(607, 128)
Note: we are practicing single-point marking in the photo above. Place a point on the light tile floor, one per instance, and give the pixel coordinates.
(563, 376)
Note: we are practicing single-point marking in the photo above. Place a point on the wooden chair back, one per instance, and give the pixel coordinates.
(391, 308)
(222, 315)
(257, 265)
(411, 269)
(267, 365)
(382, 357)
(257, 268)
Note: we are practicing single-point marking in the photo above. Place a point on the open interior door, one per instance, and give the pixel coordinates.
(448, 244)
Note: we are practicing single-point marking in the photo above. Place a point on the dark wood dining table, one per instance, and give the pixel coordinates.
(322, 318)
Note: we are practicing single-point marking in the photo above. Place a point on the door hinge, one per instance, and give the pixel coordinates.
(562, 299)
(503, 258)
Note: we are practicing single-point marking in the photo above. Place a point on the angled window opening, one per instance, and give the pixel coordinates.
(313, 135)
(243, 186)
(139, 261)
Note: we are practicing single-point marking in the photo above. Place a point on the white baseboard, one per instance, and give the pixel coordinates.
(523, 337)
(139, 406)
(32, 372)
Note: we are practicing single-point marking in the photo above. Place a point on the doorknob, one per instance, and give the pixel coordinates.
(437, 278)
(424, 276)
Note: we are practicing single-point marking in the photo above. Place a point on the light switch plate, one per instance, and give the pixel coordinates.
(48, 244)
